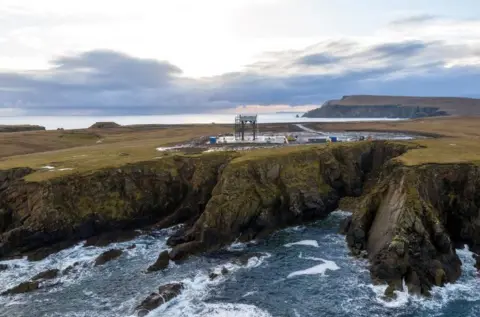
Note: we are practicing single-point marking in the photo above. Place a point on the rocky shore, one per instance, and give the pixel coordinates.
(408, 219)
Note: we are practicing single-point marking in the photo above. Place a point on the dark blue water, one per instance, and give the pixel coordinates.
(304, 271)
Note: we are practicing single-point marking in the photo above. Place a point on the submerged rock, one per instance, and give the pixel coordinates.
(161, 263)
(24, 287)
(46, 275)
(70, 268)
(3, 267)
(165, 293)
(244, 258)
(108, 256)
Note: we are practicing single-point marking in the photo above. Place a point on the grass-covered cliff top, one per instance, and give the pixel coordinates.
(456, 140)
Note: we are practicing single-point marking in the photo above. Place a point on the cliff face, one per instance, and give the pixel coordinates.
(246, 197)
(20, 128)
(255, 197)
(331, 110)
(410, 222)
(173, 189)
(371, 106)
(408, 219)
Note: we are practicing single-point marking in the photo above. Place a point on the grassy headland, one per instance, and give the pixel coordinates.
(454, 140)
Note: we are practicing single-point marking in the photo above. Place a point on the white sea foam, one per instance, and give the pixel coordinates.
(21, 270)
(341, 213)
(247, 294)
(191, 301)
(311, 243)
(401, 298)
(232, 310)
(320, 269)
(237, 246)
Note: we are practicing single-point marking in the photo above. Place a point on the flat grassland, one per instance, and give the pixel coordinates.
(453, 140)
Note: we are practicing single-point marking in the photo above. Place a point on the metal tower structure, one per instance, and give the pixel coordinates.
(241, 125)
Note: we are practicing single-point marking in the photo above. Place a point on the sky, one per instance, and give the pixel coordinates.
(105, 57)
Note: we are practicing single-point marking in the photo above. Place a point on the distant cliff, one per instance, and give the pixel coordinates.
(363, 106)
(20, 128)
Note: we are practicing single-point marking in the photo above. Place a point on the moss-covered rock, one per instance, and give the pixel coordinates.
(412, 219)
(25, 287)
(260, 193)
(166, 191)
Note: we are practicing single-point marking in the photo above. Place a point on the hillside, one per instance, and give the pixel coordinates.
(20, 128)
(365, 106)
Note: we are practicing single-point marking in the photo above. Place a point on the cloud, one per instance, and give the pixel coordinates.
(317, 59)
(414, 19)
(398, 50)
(103, 82)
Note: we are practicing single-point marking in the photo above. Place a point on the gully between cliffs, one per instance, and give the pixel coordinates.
(408, 220)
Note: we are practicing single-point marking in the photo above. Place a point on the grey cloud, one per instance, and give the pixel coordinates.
(414, 19)
(398, 50)
(318, 59)
(111, 83)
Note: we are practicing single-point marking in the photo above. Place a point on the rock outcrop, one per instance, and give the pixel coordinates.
(161, 263)
(374, 111)
(371, 106)
(108, 256)
(255, 196)
(165, 294)
(105, 125)
(411, 221)
(20, 128)
(25, 287)
(46, 275)
(166, 191)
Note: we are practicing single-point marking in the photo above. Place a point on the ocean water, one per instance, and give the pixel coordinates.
(299, 272)
(79, 122)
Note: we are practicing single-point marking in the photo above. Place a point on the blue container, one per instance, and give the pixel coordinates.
(213, 140)
(333, 139)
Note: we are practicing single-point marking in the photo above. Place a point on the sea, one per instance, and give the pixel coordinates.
(80, 122)
(303, 271)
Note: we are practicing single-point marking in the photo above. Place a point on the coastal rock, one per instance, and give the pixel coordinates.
(161, 263)
(410, 222)
(111, 237)
(244, 258)
(72, 208)
(371, 106)
(25, 287)
(70, 268)
(165, 293)
(108, 256)
(105, 125)
(254, 197)
(46, 275)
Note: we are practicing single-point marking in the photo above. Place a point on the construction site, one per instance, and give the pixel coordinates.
(246, 131)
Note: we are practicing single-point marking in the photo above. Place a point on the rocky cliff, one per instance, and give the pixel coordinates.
(370, 106)
(170, 190)
(20, 128)
(410, 222)
(330, 110)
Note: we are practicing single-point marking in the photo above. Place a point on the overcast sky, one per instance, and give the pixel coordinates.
(105, 57)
